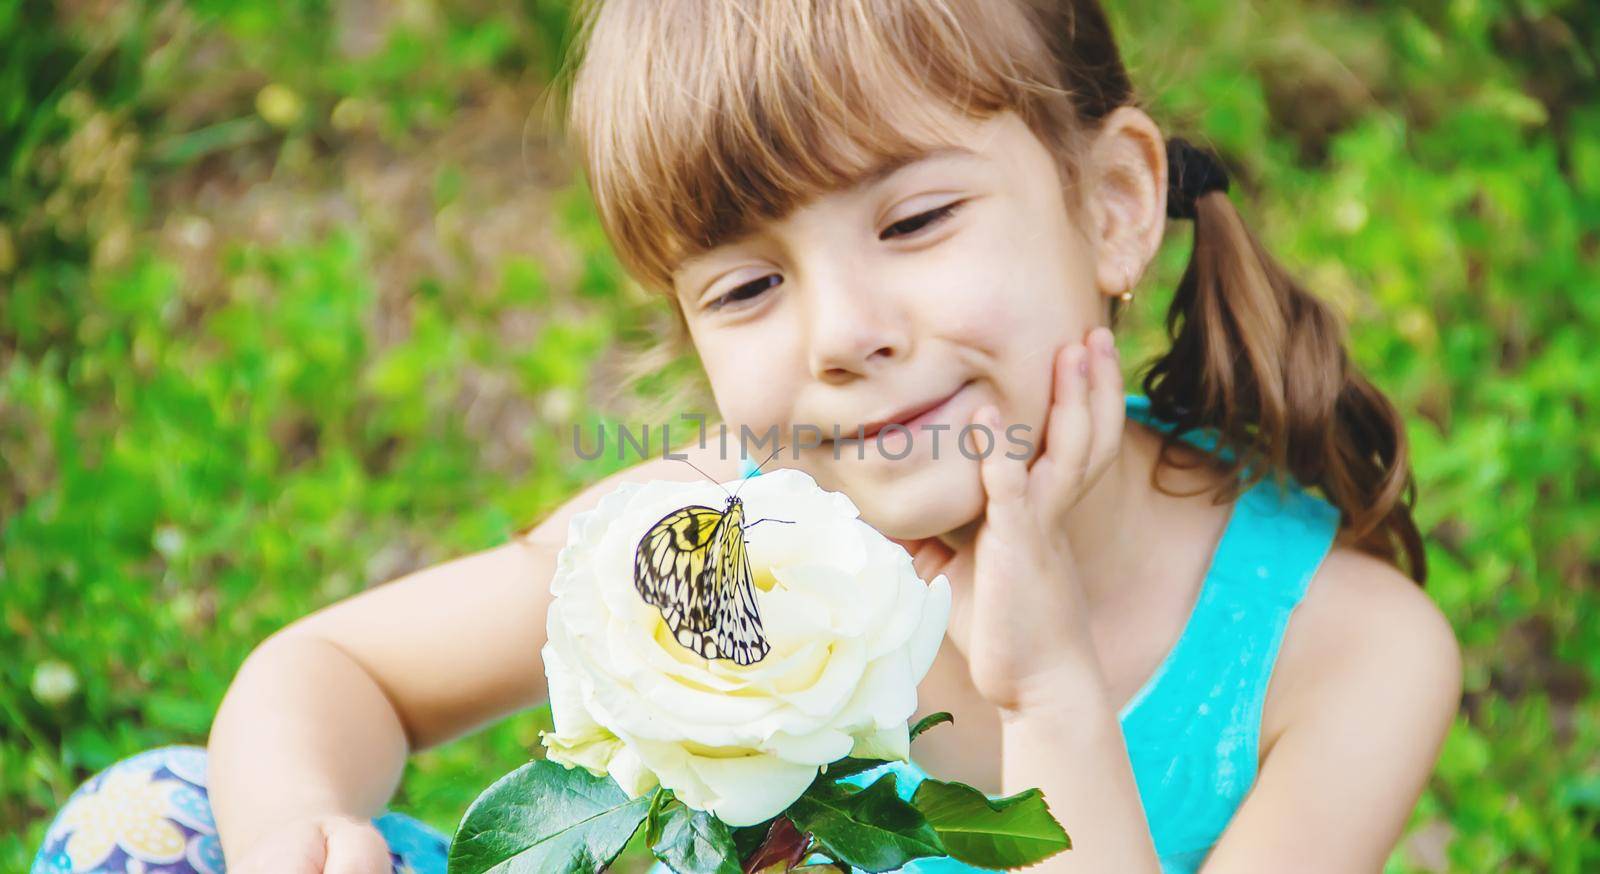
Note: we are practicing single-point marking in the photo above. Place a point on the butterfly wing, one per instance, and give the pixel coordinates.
(692, 566)
(736, 621)
(670, 565)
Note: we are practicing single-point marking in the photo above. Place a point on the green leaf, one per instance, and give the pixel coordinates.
(543, 817)
(930, 721)
(693, 841)
(652, 818)
(1004, 833)
(873, 829)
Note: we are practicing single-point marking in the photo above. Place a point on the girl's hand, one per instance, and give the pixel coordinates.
(1021, 620)
(320, 845)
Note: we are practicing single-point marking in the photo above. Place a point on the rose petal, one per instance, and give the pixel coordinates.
(750, 789)
(924, 645)
(813, 748)
(891, 743)
(630, 773)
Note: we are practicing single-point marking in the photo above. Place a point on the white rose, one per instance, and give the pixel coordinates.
(852, 628)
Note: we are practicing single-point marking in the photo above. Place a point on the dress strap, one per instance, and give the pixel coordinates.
(1194, 730)
(1277, 530)
(1138, 409)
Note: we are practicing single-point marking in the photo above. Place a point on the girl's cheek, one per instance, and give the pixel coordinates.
(751, 389)
(991, 308)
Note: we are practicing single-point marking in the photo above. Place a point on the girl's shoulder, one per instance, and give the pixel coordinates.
(1367, 657)
(1364, 691)
(1366, 653)
(1351, 602)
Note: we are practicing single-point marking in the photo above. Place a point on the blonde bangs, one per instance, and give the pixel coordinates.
(696, 119)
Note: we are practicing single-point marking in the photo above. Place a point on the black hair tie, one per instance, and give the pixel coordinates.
(1191, 173)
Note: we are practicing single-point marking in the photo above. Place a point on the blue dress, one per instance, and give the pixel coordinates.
(1192, 731)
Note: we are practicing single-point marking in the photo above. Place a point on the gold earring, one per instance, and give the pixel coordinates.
(1127, 296)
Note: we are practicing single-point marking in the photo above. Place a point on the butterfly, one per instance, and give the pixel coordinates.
(692, 566)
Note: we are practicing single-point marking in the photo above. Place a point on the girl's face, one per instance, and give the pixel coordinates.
(915, 296)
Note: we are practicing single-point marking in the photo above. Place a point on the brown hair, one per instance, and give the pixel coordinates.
(695, 120)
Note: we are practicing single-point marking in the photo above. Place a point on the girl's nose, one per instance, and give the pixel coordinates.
(853, 329)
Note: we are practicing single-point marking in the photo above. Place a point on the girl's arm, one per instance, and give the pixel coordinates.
(1364, 692)
(321, 716)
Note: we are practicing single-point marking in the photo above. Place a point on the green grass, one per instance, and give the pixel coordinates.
(292, 303)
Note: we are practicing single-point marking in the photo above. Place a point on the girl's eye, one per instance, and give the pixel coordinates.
(748, 291)
(920, 221)
(753, 290)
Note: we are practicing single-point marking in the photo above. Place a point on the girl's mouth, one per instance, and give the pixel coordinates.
(916, 415)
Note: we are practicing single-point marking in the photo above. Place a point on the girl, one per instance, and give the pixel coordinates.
(1187, 617)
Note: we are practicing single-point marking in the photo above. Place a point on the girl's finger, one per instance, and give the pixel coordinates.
(928, 555)
(1005, 480)
(1067, 431)
(1107, 406)
(356, 848)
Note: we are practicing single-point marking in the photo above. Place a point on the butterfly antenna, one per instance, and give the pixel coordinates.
(756, 471)
(706, 475)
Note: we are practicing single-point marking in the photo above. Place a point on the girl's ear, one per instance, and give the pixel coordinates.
(1126, 182)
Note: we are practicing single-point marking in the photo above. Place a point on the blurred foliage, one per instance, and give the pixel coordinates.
(295, 298)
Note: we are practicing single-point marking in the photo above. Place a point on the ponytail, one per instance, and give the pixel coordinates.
(1262, 362)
